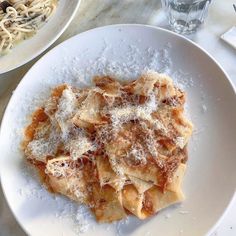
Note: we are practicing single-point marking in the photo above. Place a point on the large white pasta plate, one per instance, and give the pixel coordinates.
(125, 51)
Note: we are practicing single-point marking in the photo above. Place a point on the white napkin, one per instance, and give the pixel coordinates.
(230, 37)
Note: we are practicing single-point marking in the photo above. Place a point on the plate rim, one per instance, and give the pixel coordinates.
(228, 79)
(47, 45)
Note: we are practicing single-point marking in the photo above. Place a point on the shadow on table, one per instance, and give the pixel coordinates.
(8, 224)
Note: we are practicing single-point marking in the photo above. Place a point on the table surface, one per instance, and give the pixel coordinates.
(94, 13)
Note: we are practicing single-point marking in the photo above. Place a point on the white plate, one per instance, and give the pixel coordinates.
(125, 50)
(28, 49)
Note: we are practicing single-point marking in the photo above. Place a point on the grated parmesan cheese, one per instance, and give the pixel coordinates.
(138, 154)
(78, 146)
(180, 141)
(66, 110)
(46, 146)
(204, 108)
(41, 148)
(116, 168)
(83, 220)
(120, 115)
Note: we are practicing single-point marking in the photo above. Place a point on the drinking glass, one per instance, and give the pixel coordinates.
(185, 16)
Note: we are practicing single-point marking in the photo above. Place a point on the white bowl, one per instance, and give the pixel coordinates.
(28, 49)
(124, 51)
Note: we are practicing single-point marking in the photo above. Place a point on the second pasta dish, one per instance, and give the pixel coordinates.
(21, 19)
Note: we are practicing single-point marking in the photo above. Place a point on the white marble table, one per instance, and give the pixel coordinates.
(94, 13)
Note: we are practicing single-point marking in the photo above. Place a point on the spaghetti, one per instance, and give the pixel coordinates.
(20, 19)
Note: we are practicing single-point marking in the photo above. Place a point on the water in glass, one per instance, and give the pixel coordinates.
(185, 16)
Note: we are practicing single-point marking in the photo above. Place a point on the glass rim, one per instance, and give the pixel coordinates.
(187, 1)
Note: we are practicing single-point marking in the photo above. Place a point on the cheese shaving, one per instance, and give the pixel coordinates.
(66, 110)
(120, 115)
(78, 146)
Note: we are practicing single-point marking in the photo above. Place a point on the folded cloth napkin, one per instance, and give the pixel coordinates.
(230, 36)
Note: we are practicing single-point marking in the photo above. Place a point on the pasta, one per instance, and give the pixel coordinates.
(119, 148)
(20, 19)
